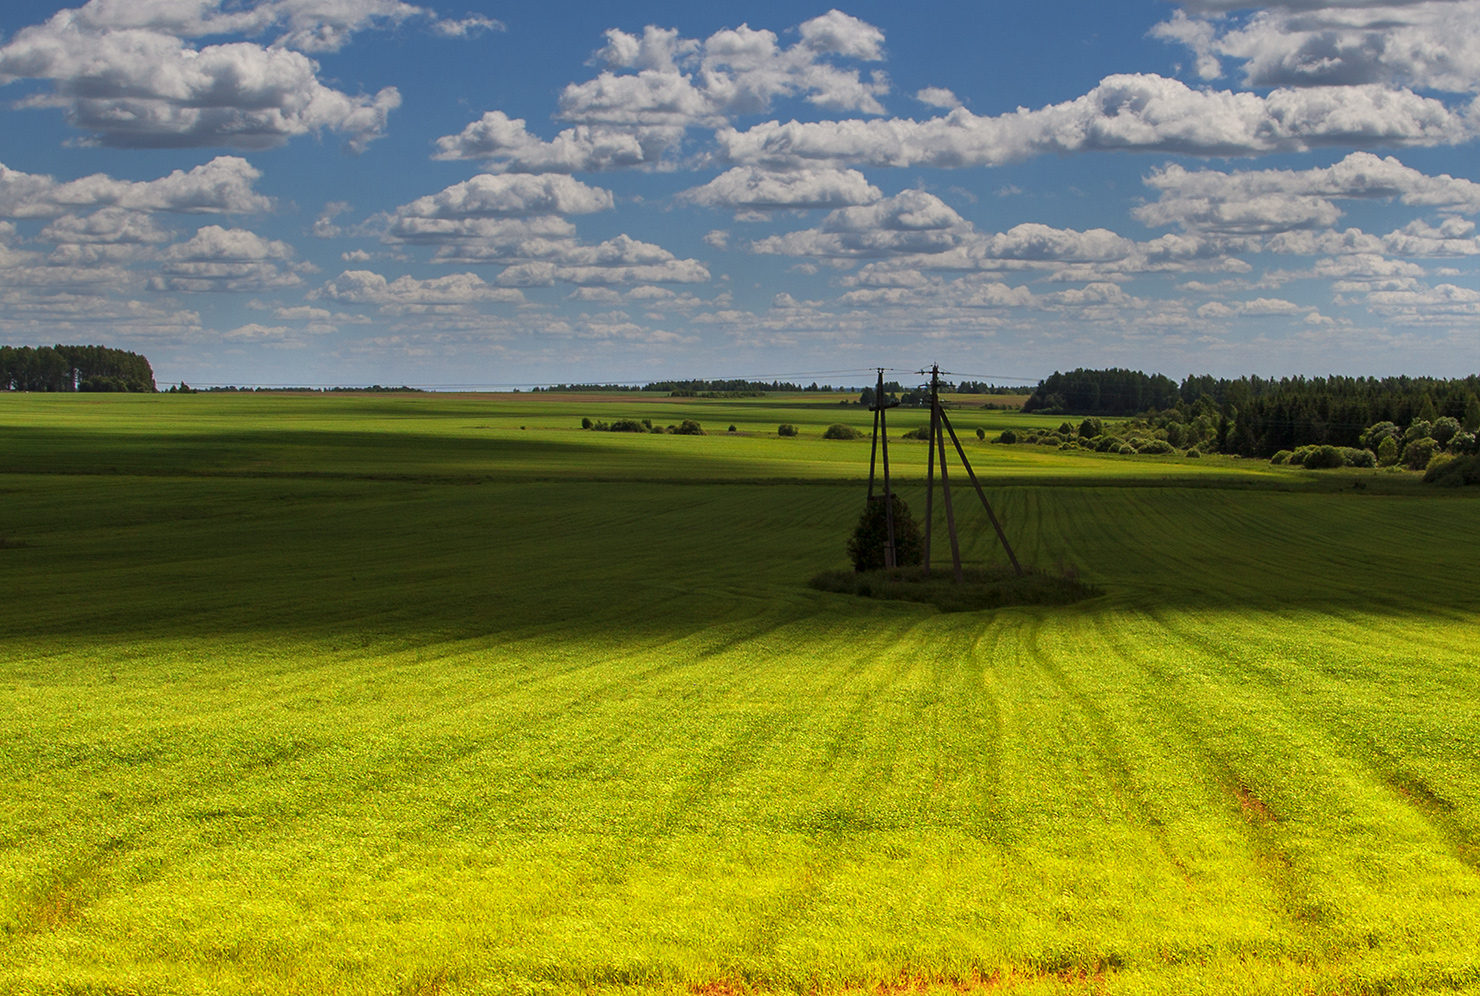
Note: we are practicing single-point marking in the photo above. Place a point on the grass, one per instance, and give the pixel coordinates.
(979, 588)
(344, 695)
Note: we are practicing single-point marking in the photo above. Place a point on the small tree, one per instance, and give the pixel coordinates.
(840, 431)
(980, 434)
(1388, 450)
(1444, 430)
(786, 429)
(687, 428)
(866, 547)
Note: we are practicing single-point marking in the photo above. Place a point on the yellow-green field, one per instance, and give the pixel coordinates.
(426, 694)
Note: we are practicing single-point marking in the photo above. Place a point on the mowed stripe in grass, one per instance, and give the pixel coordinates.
(350, 736)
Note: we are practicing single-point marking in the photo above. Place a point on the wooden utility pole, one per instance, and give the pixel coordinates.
(939, 426)
(881, 435)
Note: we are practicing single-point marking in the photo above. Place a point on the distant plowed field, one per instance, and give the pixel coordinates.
(391, 695)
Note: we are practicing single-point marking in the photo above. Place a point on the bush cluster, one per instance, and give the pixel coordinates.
(866, 546)
(1128, 438)
(840, 431)
(786, 430)
(688, 428)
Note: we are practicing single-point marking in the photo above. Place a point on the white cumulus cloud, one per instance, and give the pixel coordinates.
(126, 73)
(221, 186)
(750, 188)
(1141, 112)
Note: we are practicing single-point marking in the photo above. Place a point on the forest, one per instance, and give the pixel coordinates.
(73, 368)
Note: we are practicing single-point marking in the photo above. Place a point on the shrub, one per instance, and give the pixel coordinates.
(1464, 442)
(1091, 427)
(786, 429)
(1373, 435)
(1065, 429)
(585, 423)
(1158, 446)
(923, 432)
(1195, 453)
(840, 431)
(1445, 429)
(732, 428)
(1359, 457)
(1126, 449)
(1282, 457)
(688, 428)
(1007, 436)
(1454, 472)
(1107, 444)
(628, 425)
(1068, 446)
(866, 547)
(981, 433)
(1177, 434)
(1418, 453)
(657, 430)
(647, 423)
(1324, 458)
(1418, 429)
(1388, 450)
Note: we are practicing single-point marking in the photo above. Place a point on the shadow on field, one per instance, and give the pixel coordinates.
(389, 455)
(411, 560)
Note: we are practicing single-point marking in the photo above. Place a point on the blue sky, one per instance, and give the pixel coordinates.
(355, 191)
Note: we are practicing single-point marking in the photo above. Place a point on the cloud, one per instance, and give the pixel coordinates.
(911, 222)
(1428, 44)
(1259, 200)
(836, 33)
(221, 186)
(219, 259)
(518, 221)
(323, 225)
(1140, 112)
(456, 291)
(111, 226)
(506, 144)
(125, 73)
(306, 25)
(1452, 238)
(510, 196)
(1307, 243)
(749, 188)
(466, 27)
(658, 84)
(936, 96)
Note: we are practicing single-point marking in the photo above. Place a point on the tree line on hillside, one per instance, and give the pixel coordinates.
(73, 368)
(1259, 417)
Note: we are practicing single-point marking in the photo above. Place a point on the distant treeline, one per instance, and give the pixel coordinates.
(372, 389)
(1259, 416)
(73, 368)
(699, 388)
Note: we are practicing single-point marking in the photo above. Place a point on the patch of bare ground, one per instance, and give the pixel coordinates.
(1255, 808)
(905, 985)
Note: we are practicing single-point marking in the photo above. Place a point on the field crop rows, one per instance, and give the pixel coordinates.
(453, 720)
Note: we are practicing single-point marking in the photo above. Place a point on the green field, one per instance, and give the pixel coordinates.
(442, 694)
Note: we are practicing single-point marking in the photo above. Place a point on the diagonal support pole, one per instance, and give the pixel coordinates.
(945, 497)
(981, 494)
